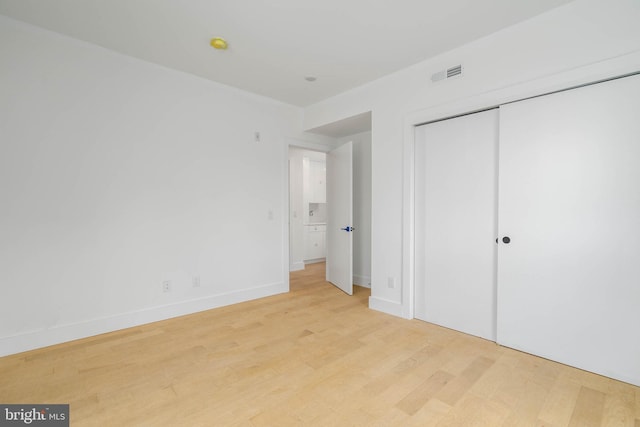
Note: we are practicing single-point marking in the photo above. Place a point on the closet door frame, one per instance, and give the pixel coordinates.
(606, 70)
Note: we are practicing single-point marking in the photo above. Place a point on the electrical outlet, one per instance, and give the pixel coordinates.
(166, 286)
(391, 282)
(195, 281)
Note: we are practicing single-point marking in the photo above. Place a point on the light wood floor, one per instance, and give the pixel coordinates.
(312, 357)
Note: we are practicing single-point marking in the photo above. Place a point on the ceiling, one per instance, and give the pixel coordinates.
(275, 44)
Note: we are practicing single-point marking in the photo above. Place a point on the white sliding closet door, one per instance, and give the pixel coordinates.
(455, 223)
(569, 280)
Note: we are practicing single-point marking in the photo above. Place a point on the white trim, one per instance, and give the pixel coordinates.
(384, 305)
(307, 145)
(364, 281)
(314, 261)
(296, 266)
(286, 250)
(64, 333)
(607, 68)
(408, 197)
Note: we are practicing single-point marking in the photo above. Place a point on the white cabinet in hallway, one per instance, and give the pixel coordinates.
(315, 242)
(317, 181)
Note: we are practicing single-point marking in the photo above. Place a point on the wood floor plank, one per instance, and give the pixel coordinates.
(559, 403)
(456, 388)
(619, 407)
(418, 397)
(475, 411)
(310, 357)
(431, 414)
(588, 410)
(528, 407)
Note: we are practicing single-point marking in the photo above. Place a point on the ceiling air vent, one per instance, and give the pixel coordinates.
(454, 71)
(447, 74)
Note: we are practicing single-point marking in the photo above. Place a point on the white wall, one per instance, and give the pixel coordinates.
(361, 206)
(580, 42)
(116, 175)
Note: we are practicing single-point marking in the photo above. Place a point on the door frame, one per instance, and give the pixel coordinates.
(286, 220)
(589, 74)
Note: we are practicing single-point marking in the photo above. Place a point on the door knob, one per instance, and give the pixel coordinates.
(506, 239)
(347, 229)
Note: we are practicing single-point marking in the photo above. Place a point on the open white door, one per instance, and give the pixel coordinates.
(339, 217)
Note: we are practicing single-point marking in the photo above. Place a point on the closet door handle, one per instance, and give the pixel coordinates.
(506, 239)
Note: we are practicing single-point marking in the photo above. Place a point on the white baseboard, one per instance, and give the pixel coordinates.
(313, 261)
(385, 306)
(364, 281)
(296, 266)
(64, 333)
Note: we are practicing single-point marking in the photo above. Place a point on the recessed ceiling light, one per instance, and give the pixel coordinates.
(218, 43)
(311, 78)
